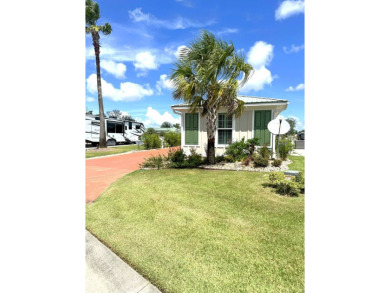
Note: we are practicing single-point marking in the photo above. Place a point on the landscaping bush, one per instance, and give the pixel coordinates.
(246, 161)
(252, 143)
(220, 159)
(153, 162)
(275, 178)
(264, 152)
(277, 163)
(284, 186)
(177, 159)
(300, 179)
(151, 141)
(172, 138)
(194, 159)
(229, 159)
(238, 150)
(288, 187)
(260, 161)
(285, 148)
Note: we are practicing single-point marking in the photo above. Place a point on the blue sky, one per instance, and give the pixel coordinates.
(138, 56)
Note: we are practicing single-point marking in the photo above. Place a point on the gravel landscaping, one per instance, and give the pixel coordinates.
(237, 166)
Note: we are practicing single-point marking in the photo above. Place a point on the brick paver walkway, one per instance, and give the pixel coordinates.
(101, 172)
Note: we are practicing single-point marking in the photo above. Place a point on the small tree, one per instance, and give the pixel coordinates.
(176, 125)
(293, 123)
(166, 124)
(150, 130)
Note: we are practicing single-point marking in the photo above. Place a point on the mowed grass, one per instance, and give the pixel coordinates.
(298, 163)
(112, 151)
(203, 231)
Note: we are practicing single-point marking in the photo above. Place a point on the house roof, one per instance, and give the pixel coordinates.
(247, 100)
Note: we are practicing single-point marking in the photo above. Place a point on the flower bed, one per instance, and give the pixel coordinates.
(237, 166)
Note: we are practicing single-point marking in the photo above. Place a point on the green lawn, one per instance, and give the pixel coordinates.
(298, 163)
(112, 151)
(204, 231)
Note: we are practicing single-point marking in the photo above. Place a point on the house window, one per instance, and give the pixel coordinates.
(225, 129)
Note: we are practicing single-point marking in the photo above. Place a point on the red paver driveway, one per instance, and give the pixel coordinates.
(101, 172)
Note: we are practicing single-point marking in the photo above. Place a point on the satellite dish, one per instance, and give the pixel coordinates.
(278, 126)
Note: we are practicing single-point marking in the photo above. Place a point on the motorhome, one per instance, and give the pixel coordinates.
(117, 131)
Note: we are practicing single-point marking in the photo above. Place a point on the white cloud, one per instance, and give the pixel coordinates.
(226, 31)
(127, 92)
(185, 2)
(90, 99)
(164, 83)
(289, 8)
(299, 87)
(114, 68)
(259, 55)
(179, 23)
(145, 61)
(154, 118)
(293, 49)
(259, 79)
(147, 58)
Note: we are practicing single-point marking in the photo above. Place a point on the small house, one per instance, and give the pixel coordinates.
(252, 123)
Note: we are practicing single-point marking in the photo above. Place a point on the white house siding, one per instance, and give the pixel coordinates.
(242, 127)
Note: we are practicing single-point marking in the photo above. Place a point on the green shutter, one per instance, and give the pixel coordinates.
(260, 126)
(191, 128)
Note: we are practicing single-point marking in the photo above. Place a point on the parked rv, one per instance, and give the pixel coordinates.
(117, 131)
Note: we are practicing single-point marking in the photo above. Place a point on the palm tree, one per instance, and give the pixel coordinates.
(205, 77)
(92, 14)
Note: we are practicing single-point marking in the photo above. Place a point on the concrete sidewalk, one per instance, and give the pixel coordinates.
(298, 152)
(106, 272)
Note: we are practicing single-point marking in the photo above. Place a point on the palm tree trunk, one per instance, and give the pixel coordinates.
(211, 128)
(102, 137)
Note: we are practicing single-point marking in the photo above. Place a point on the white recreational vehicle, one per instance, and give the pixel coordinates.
(117, 131)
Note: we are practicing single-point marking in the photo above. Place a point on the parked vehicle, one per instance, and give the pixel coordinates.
(117, 131)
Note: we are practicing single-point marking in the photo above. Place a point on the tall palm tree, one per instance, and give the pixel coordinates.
(92, 14)
(205, 76)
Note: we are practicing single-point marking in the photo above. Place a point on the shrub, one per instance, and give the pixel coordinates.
(172, 138)
(300, 179)
(194, 159)
(246, 161)
(260, 161)
(264, 152)
(220, 159)
(275, 178)
(277, 163)
(178, 156)
(284, 186)
(151, 141)
(229, 159)
(153, 162)
(252, 143)
(285, 148)
(288, 187)
(238, 150)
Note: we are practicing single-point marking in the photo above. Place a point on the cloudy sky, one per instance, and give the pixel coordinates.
(138, 56)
